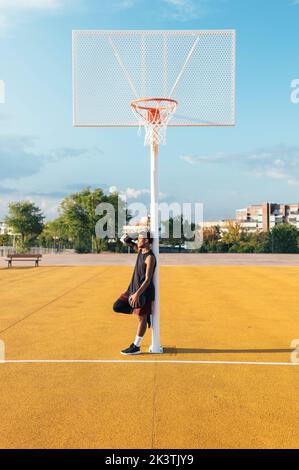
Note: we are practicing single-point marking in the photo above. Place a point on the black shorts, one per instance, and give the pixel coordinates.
(121, 305)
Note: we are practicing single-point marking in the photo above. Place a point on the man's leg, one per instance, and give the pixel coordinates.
(122, 304)
(143, 315)
(141, 329)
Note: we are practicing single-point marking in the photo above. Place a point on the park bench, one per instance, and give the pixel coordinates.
(23, 257)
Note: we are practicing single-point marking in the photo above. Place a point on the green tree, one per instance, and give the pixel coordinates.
(117, 203)
(284, 239)
(257, 242)
(219, 247)
(211, 239)
(78, 213)
(6, 239)
(55, 233)
(212, 234)
(177, 228)
(26, 221)
(234, 234)
(260, 242)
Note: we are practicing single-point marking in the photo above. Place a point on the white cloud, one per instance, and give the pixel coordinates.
(113, 189)
(20, 158)
(13, 12)
(132, 193)
(3, 21)
(184, 10)
(279, 163)
(275, 174)
(6, 5)
(193, 159)
(48, 205)
(129, 193)
(293, 182)
(2, 91)
(49, 202)
(189, 159)
(126, 4)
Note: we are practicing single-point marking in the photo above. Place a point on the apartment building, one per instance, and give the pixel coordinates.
(265, 216)
(256, 217)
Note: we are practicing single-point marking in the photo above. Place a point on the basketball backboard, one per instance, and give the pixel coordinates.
(162, 78)
(111, 68)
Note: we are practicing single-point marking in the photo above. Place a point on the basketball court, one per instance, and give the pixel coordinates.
(225, 379)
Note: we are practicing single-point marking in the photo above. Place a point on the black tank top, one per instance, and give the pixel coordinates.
(139, 276)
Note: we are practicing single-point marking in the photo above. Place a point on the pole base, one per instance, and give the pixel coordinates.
(158, 352)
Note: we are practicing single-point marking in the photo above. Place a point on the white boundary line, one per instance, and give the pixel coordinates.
(149, 361)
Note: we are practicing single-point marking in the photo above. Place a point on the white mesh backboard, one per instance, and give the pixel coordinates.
(112, 68)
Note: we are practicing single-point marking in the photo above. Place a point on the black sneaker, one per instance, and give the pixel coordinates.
(131, 350)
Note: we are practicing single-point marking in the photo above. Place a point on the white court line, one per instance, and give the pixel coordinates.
(149, 361)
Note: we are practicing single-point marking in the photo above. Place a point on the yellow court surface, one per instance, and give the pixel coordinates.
(226, 379)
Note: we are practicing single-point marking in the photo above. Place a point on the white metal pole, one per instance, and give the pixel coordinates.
(155, 346)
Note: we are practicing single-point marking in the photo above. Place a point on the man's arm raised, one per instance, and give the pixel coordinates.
(126, 240)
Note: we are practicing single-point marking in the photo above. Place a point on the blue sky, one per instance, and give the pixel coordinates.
(42, 157)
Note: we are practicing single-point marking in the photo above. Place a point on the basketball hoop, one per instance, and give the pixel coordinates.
(196, 67)
(154, 114)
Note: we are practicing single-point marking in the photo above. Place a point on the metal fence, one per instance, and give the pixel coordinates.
(8, 250)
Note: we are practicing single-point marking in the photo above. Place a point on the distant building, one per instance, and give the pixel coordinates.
(256, 217)
(263, 217)
(5, 229)
(144, 224)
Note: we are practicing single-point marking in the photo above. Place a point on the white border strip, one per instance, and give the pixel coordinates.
(129, 361)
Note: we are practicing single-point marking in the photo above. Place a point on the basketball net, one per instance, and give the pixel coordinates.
(154, 114)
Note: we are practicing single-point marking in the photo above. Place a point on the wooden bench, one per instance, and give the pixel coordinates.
(23, 257)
